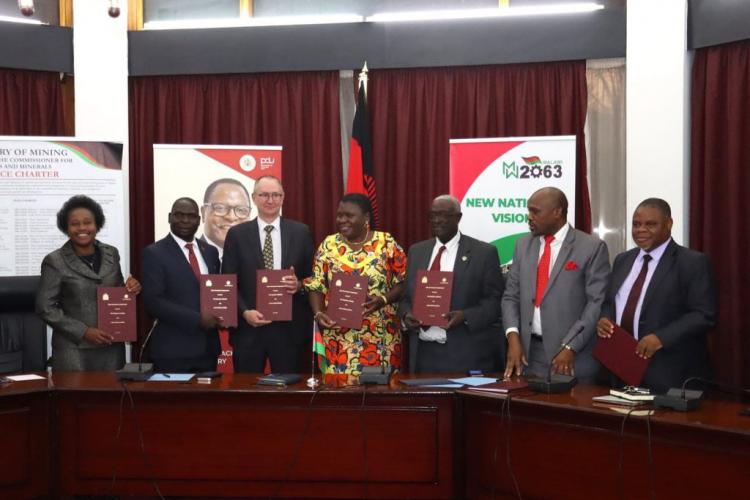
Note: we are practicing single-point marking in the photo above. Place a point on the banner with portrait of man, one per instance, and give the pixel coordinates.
(221, 180)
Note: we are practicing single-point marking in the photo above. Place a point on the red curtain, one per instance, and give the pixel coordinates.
(299, 111)
(416, 111)
(31, 103)
(719, 188)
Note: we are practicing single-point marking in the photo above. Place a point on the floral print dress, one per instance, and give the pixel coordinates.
(383, 261)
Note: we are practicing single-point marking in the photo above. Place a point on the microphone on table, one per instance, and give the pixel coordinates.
(557, 383)
(139, 371)
(681, 399)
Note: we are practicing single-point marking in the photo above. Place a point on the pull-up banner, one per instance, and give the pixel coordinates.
(494, 178)
(221, 180)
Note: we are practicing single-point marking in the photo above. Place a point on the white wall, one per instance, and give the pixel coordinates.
(100, 54)
(658, 95)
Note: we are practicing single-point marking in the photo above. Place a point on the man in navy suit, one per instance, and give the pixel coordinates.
(269, 242)
(184, 340)
(473, 339)
(664, 295)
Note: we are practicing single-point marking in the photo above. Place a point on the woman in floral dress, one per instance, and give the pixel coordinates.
(360, 251)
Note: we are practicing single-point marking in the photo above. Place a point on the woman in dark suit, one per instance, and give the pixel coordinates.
(66, 299)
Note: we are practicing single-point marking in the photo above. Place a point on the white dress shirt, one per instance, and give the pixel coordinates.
(447, 260)
(275, 238)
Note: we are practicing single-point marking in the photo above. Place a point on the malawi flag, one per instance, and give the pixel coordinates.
(319, 348)
(361, 178)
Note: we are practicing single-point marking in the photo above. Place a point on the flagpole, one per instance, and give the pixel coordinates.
(363, 77)
(313, 381)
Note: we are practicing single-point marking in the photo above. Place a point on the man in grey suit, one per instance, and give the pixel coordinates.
(473, 338)
(554, 293)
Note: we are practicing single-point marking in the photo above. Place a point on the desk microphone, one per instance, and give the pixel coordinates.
(139, 371)
(681, 399)
(557, 383)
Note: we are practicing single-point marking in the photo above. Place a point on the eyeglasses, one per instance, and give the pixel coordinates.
(220, 209)
(269, 196)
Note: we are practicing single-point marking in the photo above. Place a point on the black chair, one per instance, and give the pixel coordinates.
(23, 336)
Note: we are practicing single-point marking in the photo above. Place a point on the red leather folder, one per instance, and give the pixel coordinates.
(617, 353)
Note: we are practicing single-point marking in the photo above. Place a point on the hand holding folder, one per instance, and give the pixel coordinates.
(617, 353)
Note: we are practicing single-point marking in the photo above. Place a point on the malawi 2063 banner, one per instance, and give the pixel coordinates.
(493, 179)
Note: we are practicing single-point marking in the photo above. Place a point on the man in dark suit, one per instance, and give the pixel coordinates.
(665, 295)
(184, 340)
(473, 339)
(269, 242)
(554, 293)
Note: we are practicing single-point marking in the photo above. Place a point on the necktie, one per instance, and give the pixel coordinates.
(542, 270)
(628, 314)
(268, 249)
(193, 261)
(436, 262)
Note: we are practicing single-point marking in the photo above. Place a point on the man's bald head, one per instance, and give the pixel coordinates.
(444, 215)
(447, 199)
(548, 211)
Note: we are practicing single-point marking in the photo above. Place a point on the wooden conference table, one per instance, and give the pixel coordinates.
(83, 433)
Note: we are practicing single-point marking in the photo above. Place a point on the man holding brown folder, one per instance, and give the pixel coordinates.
(269, 242)
(472, 338)
(185, 340)
(665, 296)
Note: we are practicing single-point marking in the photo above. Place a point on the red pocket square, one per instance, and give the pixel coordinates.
(571, 266)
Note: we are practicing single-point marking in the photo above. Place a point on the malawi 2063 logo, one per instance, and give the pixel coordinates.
(533, 168)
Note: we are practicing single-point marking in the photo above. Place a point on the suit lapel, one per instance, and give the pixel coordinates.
(621, 273)
(662, 269)
(463, 257)
(422, 259)
(255, 246)
(528, 269)
(562, 257)
(203, 249)
(108, 261)
(286, 238)
(77, 265)
(179, 256)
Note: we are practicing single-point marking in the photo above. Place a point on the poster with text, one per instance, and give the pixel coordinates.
(493, 179)
(36, 177)
(221, 180)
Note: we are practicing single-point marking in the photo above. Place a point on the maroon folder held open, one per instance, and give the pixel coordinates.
(617, 353)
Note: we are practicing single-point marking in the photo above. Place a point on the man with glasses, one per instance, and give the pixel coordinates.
(473, 339)
(226, 203)
(184, 340)
(269, 242)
